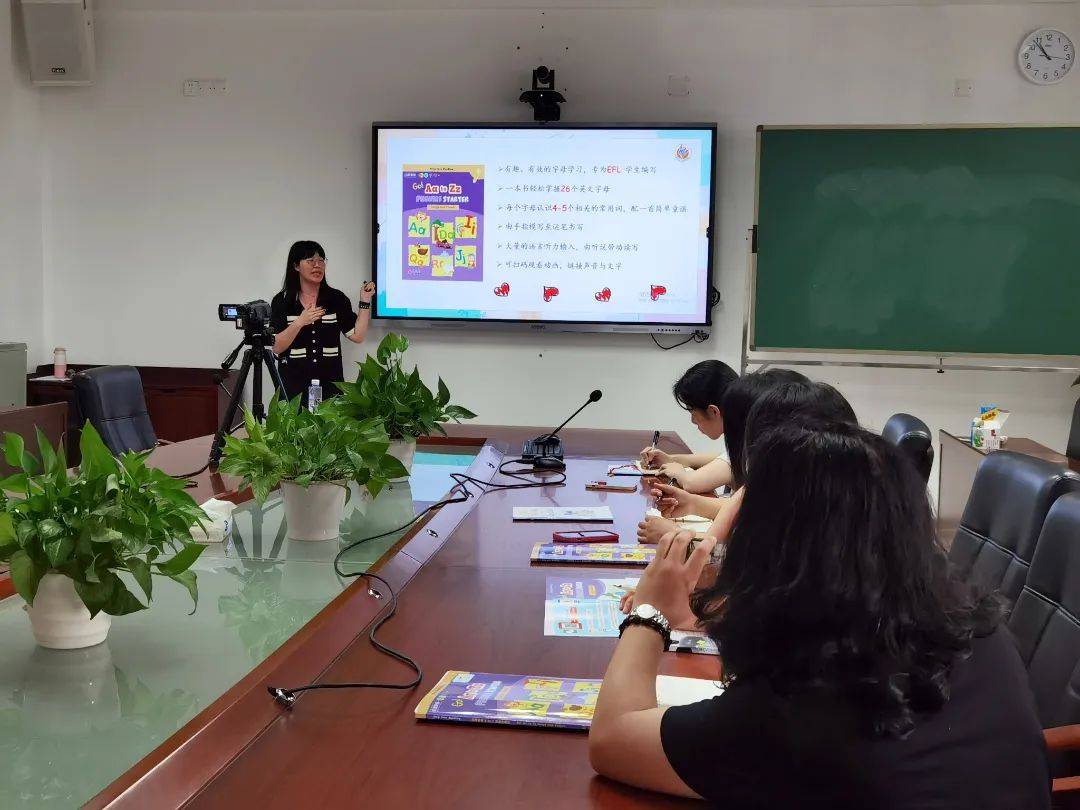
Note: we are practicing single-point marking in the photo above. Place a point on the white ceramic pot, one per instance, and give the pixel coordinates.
(314, 512)
(60, 620)
(403, 451)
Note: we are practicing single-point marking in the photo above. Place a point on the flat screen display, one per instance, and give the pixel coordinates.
(558, 224)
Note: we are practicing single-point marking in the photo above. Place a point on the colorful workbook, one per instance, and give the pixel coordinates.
(585, 607)
(592, 554)
(565, 514)
(529, 700)
(589, 608)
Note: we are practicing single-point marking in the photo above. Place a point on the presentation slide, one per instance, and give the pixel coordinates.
(548, 223)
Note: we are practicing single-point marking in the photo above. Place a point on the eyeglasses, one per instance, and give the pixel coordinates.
(316, 260)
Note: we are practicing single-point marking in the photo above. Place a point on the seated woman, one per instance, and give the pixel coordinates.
(858, 671)
(795, 394)
(699, 391)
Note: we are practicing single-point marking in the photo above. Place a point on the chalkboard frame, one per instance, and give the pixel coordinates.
(749, 342)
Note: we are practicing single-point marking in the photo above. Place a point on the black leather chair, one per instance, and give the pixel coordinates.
(1047, 631)
(112, 398)
(999, 529)
(912, 436)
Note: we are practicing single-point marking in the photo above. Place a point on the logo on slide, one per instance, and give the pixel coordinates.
(550, 292)
(502, 290)
(682, 152)
(656, 290)
(604, 295)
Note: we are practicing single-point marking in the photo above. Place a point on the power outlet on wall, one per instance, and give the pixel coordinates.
(205, 87)
(963, 88)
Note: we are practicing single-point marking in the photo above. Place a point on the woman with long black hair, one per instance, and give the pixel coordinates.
(858, 671)
(309, 317)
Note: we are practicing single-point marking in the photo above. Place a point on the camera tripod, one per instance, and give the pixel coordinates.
(256, 355)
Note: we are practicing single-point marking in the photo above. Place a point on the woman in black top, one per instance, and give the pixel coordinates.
(858, 671)
(309, 317)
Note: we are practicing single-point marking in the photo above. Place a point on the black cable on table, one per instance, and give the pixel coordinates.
(287, 696)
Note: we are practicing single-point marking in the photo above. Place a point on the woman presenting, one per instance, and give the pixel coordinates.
(309, 317)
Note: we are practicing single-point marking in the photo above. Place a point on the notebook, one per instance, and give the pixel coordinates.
(592, 554)
(565, 514)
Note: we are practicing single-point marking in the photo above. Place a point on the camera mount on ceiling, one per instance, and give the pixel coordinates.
(543, 97)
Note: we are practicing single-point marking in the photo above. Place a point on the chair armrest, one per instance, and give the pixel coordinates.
(1062, 738)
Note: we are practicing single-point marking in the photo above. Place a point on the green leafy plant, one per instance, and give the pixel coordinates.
(384, 390)
(308, 447)
(112, 515)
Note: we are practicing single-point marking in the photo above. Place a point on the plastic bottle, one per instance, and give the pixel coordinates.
(314, 395)
(59, 362)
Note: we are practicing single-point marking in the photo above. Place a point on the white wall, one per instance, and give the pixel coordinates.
(159, 207)
(21, 302)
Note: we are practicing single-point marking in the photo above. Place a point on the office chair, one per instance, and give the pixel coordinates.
(112, 398)
(912, 436)
(1047, 633)
(1003, 517)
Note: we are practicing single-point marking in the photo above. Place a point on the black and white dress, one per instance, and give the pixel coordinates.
(316, 352)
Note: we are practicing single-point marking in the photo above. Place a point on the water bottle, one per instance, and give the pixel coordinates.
(314, 395)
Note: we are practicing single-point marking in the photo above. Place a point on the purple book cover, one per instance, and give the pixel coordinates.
(442, 223)
(593, 554)
(515, 700)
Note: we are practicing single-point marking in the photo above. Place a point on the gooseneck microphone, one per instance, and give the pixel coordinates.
(546, 452)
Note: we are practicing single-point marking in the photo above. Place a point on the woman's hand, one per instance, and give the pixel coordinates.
(367, 292)
(672, 471)
(651, 529)
(652, 459)
(672, 501)
(673, 576)
(310, 315)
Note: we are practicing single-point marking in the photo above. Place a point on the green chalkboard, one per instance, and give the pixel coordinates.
(961, 240)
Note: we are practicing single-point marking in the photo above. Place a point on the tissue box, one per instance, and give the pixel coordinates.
(219, 524)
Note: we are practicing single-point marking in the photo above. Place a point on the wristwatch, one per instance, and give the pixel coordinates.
(363, 304)
(650, 617)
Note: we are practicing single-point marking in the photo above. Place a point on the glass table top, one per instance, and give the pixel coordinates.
(72, 721)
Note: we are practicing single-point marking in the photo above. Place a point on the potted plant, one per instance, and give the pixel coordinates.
(67, 537)
(407, 408)
(313, 455)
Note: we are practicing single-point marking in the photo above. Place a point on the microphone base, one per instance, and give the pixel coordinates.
(542, 448)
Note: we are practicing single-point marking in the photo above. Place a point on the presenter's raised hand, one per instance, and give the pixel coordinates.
(367, 292)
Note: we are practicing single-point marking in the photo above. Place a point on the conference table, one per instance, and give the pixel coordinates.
(172, 710)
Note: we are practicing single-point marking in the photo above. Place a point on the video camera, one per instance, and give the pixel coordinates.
(253, 317)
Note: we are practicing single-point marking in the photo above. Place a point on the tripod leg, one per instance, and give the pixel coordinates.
(275, 374)
(230, 412)
(257, 408)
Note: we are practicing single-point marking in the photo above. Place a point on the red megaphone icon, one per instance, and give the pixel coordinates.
(502, 290)
(656, 291)
(550, 292)
(603, 295)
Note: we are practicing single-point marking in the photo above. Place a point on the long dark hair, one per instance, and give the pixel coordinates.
(703, 384)
(739, 399)
(833, 578)
(304, 249)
